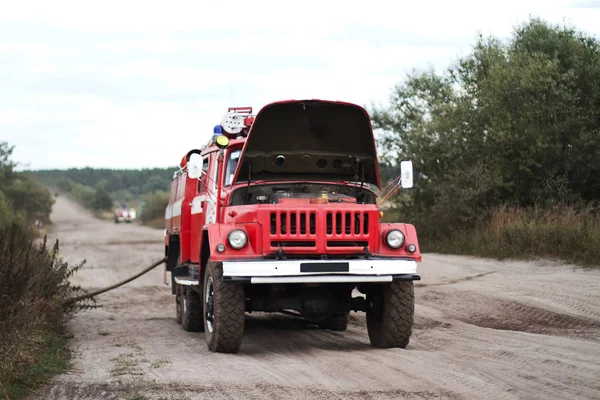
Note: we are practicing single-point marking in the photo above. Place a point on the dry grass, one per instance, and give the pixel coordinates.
(34, 287)
(561, 232)
(158, 223)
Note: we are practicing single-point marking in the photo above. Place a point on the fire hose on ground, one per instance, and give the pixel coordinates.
(116, 285)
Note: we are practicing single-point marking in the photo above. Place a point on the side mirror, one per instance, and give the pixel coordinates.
(406, 174)
(194, 166)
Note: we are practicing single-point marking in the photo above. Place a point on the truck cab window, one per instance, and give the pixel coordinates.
(232, 161)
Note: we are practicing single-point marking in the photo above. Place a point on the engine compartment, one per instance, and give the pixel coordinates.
(301, 193)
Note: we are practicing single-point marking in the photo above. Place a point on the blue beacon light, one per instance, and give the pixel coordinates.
(217, 131)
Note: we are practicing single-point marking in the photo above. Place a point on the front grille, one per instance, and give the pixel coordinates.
(293, 223)
(347, 222)
(309, 231)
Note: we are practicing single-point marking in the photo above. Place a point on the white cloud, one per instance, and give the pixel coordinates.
(137, 84)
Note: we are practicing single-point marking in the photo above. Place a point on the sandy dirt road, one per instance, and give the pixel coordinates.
(484, 330)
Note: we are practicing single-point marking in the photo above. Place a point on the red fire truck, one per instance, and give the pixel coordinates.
(279, 213)
(124, 214)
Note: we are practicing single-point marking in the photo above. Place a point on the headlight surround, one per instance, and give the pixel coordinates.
(394, 239)
(237, 239)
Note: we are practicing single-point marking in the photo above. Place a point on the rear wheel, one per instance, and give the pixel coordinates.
(390, 314)
(178, 301)
(224, 306)
(191, 309)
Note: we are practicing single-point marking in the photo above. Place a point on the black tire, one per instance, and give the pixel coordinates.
(336, 322)
(390, 314)
(178, 301)
(225, 305)
(191, 310)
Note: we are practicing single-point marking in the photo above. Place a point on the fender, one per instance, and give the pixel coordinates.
(218, 233)
(410, 237)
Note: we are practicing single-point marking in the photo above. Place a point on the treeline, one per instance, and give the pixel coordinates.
(93, 198)
(507, 145)
(99, 189)
(121, 184)
(34, 285)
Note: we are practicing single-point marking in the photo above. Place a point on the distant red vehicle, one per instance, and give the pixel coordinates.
(279, 213)
(123, 214)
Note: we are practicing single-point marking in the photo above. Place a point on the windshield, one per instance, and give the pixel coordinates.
(232, 161)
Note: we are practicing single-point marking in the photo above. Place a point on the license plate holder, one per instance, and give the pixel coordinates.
(325, 267)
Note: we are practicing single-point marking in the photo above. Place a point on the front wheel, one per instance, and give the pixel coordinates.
(390, 314)
(224, 307)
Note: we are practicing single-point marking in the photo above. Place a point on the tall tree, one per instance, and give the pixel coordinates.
(515, 122)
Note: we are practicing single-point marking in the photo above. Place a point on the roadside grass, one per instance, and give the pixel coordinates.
(127, 364)
(157, 223)
(52, 358)
(34, 307)
(104, 215)
(560, 232)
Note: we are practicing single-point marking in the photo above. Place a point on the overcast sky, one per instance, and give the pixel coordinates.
(129, 84)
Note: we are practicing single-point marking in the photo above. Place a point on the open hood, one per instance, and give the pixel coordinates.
(310, 140)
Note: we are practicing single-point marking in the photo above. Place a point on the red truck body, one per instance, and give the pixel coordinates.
(123, 214)
(297, 225)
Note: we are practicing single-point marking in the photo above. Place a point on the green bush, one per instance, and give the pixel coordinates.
(6, 210)
(22, 198)
(513, 124)
(154, 208)
(102, 201)
(84, 195)
(34, 305)
(64, 184)
(34, 285)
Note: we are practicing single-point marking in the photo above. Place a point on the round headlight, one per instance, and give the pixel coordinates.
(394, 239)
(237, 239)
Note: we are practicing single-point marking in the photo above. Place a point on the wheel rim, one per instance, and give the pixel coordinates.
(210, 308)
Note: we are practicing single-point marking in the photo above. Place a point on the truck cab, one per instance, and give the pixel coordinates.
(280, 212)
